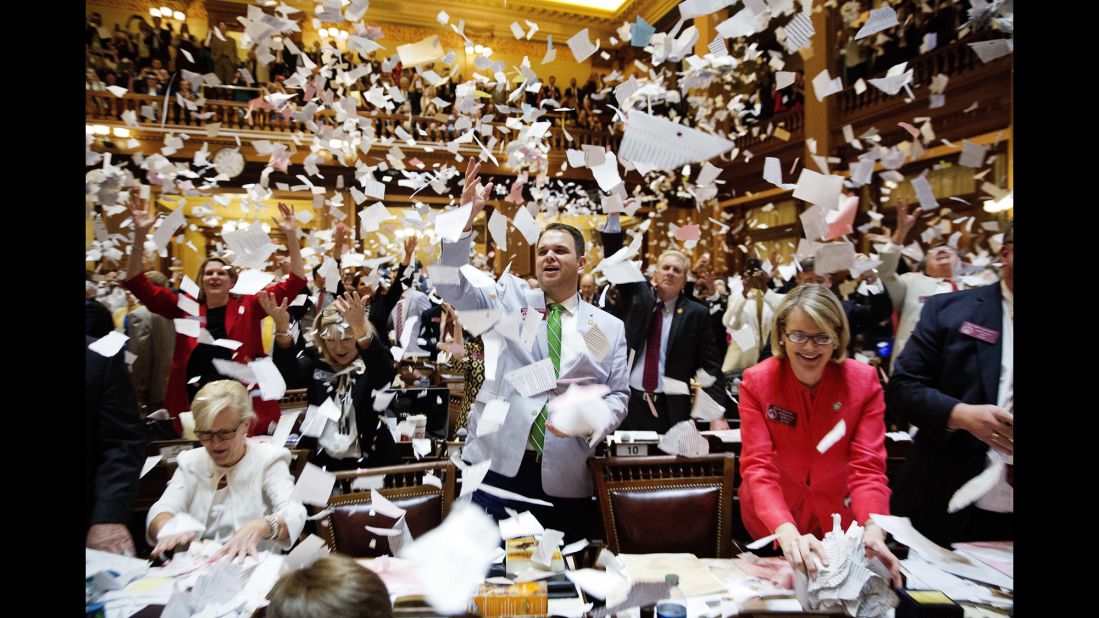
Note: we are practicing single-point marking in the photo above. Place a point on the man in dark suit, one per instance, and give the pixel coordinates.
(115, 451)
(955, 381)
(668, 336)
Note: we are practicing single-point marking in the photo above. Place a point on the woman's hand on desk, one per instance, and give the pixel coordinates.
(874, 538)
(798, 547)
(244, 542)
(172, 541)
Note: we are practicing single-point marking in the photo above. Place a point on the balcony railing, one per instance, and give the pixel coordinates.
(951, 60)
(104, 106)
(791, 120)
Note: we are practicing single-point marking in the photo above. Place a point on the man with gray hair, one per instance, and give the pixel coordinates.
(669, 339)
(152, 340)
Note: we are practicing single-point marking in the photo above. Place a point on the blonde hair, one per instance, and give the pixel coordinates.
(328, 319)
(334, 585)
(215, 397)
(820, 304)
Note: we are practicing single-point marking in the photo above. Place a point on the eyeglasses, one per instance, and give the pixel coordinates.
(223, 435)
(796, 336)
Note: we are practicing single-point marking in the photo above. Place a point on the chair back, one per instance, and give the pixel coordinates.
(666, 504)
(344, 528)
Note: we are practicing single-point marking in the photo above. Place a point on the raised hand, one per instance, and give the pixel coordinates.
(353, 308)
(139, 211)
(276, 310)
(410, 248)
(288, 224)
(470, 194)
(906, 219)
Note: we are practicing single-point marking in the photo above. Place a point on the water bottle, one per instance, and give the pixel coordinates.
(675, 606)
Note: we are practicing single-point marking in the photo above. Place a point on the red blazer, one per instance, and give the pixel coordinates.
(243, 315)
(784, 478)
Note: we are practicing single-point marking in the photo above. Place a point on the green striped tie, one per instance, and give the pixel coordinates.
(553, 341)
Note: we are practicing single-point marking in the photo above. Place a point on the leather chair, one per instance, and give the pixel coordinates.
(344, 528)
(666, 504)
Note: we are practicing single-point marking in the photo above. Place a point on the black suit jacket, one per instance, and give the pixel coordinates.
(114, 439)
(691, 344)
(939, 368)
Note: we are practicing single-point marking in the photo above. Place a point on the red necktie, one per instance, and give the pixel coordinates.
(953, 286)
(649, 379)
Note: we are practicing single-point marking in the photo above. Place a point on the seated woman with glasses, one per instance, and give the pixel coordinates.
(345, 365)
(789, 404)
(233, 490)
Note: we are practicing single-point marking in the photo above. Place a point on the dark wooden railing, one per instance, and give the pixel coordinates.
(232, 115)
(951, 60)
(791, 120)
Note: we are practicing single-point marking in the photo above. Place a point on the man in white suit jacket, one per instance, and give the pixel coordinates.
(558, 474)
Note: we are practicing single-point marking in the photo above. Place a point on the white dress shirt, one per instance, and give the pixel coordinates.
(1001, 498)
(637, 373)
(572, 342)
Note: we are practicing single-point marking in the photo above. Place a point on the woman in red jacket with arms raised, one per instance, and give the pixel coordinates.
(788, 404)
(224, 315)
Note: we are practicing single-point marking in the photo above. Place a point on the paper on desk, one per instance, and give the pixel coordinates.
(492, 417)
(705, 408)
(108, 345)
(547, 545)
(581, 46)
(167, 228)
(824, 85)
(904, 533)
(684, 440)
(527, 226)
(314, 486)
(662, 144)
(426, 50)
(695, 578)
(988, 51)
(600, 584)
(251, 281)
(879, 19)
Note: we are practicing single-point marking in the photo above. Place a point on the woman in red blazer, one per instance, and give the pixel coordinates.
(788, 403)
(223, 315)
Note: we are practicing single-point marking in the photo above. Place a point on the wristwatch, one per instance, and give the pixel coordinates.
(364, 338)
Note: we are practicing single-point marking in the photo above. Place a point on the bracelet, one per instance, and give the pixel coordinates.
(282, 333)
(364, 338)
(272, 525)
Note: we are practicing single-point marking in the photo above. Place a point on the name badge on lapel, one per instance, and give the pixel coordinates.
(777, 414)
(986, 335)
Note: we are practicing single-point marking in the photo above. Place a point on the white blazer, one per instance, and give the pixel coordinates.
(260, 484)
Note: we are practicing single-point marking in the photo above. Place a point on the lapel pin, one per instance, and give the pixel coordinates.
(679, 311)
(836, 406)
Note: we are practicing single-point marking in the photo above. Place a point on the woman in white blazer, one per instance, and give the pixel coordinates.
(234, 489)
